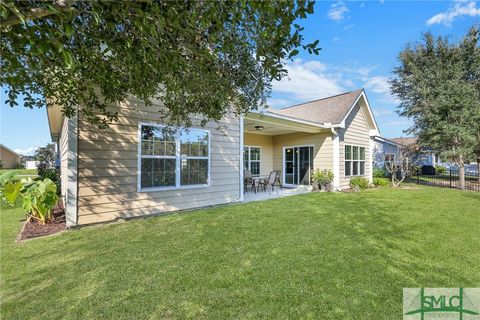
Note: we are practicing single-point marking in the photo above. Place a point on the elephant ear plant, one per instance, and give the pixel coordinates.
(38, 197)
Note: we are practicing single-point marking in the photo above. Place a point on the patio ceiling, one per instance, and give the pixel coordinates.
(273, 124)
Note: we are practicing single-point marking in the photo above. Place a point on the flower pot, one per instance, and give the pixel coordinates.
(326, 186)
(315, 186)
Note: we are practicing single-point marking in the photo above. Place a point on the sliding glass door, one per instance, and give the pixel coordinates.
(298, 165)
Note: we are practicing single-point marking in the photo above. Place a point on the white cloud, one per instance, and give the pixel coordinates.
(337, 11)
(379, 113)
(308, 81)
(312, 79)
(277, 103)
(459, 9)
(362, 5)
(379, 85)
(336, 39)
(365, 71)
(348, 27)
(398, 123)
(27, 151)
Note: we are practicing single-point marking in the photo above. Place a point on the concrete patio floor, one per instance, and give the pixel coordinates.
(277, 193)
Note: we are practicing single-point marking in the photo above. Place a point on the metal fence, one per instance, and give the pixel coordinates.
(448, 179)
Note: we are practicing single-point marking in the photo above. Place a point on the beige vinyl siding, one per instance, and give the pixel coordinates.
(9, 159)
(107, 168)
(322, 148)
(266, 150)
(356, 133)
(63, 155)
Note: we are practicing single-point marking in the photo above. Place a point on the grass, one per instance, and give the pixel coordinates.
(20, 171)
(318, 256)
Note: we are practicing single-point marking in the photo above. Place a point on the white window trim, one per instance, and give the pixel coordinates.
(351, 160)
(178, 156)
(249, 160)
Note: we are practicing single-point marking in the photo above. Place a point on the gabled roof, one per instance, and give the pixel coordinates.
(10, 150)
(385, 140)
(327, 110)
(407, 141)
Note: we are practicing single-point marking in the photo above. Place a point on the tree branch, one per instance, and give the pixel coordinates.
(31, 14)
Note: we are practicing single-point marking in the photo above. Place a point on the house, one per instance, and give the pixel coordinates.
(9, 158)
(31, 164)
(136, 167)
(385, 150)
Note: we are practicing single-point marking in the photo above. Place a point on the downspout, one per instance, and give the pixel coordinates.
(240, 198)
(336, 159)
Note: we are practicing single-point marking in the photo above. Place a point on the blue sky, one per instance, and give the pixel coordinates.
(360, 43)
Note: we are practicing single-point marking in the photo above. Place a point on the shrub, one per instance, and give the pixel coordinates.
(323, 176)
(359, 182)
(38, 197)
(428, 170)
(380, 182)
(379, 173)
(440, 170)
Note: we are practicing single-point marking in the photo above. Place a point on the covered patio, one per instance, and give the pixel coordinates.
(293, 147)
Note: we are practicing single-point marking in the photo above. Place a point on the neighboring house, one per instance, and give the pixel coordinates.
(425, 157)
(385, 149)
(9, 158)
(134, 168)
(29, 164)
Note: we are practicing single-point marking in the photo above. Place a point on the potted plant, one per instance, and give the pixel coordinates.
(323, 179)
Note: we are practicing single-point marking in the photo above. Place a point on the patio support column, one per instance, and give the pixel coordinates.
(336, 160)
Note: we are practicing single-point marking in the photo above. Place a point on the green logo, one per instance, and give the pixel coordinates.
(441, 303)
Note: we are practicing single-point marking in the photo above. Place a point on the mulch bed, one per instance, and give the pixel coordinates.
(33, 229)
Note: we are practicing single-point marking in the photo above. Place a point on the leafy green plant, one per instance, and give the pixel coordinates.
(379, 173)
(359, 182)
(322, 176)
(380, 182)
(38, 197)
(440, 170)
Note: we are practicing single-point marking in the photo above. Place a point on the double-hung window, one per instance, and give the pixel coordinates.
(172, 158)
(354, 160)
(251, 160)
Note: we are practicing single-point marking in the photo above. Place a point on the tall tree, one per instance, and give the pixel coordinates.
(471, 55)
(434, 85)
(200, 57)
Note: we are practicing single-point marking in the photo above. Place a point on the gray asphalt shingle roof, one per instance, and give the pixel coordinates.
(327, 110)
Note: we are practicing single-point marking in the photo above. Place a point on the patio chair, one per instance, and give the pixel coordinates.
(248, 181)
(272, 180)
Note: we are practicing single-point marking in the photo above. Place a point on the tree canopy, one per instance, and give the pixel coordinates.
(438, 84)
(199, 57)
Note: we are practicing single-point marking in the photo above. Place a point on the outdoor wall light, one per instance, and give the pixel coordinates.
(258, 128)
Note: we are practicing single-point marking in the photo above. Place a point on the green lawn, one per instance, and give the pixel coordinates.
(20, 171)
(318, 255)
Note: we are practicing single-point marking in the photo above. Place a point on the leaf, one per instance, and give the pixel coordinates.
(293, 53)
(67, 57)
(7, 176)
(11, 191)
(69, 30)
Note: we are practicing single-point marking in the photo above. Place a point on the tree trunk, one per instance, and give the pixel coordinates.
(461, 172)
(478, 169)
